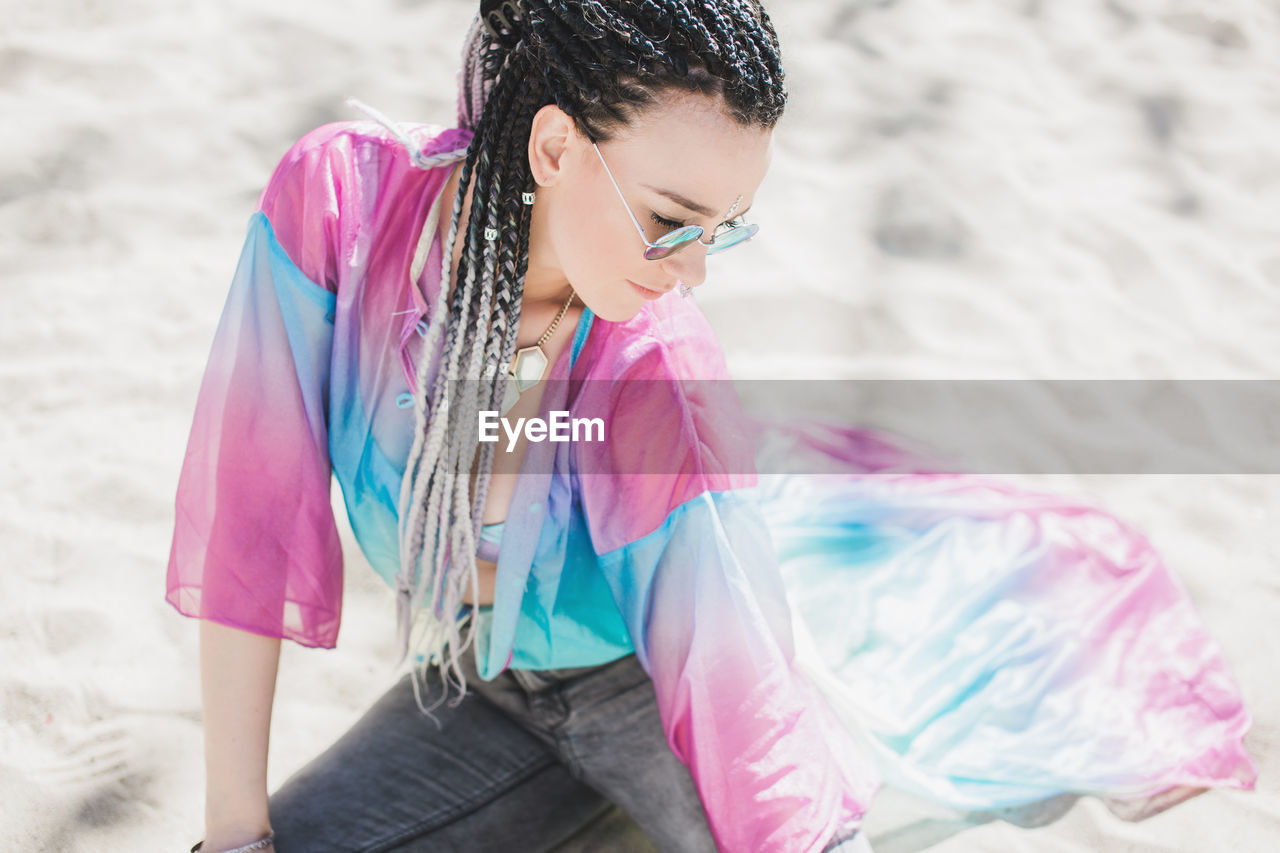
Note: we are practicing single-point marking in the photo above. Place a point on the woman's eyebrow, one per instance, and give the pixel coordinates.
(685, 203)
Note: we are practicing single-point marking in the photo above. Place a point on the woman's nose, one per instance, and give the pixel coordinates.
(688, 265)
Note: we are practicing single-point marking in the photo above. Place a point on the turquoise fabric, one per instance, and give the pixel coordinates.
(575, 621)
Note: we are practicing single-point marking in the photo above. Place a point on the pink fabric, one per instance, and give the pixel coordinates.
(313, 348)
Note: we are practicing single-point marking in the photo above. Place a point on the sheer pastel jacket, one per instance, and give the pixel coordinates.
(653, 530)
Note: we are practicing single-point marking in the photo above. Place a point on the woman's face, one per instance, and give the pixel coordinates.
(683, 162)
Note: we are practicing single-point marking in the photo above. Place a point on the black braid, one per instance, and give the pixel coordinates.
(602, 62)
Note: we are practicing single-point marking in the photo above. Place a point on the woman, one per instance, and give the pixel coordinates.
(590, 131)
(630, 641)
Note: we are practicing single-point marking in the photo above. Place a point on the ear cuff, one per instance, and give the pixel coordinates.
(491, 234)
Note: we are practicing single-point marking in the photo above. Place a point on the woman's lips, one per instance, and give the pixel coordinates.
(644, 292)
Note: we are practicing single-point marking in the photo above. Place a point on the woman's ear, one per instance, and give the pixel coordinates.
(550, 139)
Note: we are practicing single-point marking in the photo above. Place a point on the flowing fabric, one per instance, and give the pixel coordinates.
(995, 645)
(807, 635)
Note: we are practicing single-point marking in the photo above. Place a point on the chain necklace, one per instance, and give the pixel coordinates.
(530, 363)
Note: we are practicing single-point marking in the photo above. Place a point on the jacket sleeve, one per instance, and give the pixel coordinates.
(681, 541)
(255, 545)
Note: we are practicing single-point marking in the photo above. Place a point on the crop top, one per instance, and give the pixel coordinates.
(490, 540)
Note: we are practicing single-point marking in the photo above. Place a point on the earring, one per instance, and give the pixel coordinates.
(491, 234)
(527, 198)
(685, 290)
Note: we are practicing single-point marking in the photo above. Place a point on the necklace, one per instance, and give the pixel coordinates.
(530, 363)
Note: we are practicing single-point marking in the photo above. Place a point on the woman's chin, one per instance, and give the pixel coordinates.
(616, 310)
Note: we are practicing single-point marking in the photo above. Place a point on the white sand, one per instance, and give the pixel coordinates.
(977, 189)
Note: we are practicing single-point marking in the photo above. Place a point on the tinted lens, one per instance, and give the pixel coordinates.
(732, 237)
(673, 241)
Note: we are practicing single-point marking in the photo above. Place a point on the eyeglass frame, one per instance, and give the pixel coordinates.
(697, 238)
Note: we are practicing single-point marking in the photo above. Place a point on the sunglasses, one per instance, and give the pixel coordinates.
(726, 237)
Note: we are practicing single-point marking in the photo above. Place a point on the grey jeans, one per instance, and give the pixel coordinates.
(535, 760)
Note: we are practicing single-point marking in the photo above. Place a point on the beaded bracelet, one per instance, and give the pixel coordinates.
(261, 844)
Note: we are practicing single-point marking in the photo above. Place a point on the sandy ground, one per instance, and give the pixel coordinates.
(960, 189)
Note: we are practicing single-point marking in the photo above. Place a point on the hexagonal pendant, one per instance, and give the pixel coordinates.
(529, 365)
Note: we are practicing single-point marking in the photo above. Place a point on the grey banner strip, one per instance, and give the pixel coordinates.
(978, 426)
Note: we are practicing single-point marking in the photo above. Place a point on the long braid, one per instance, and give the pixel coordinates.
(464, 535)
(420, 514)
(449, 500)
(439, 493)
(499, 345)
(513, 260)
(602, 63)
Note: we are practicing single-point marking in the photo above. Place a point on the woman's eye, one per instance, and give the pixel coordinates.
(670, 224)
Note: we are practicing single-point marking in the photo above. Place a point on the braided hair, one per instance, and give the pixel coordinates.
(602, 63)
